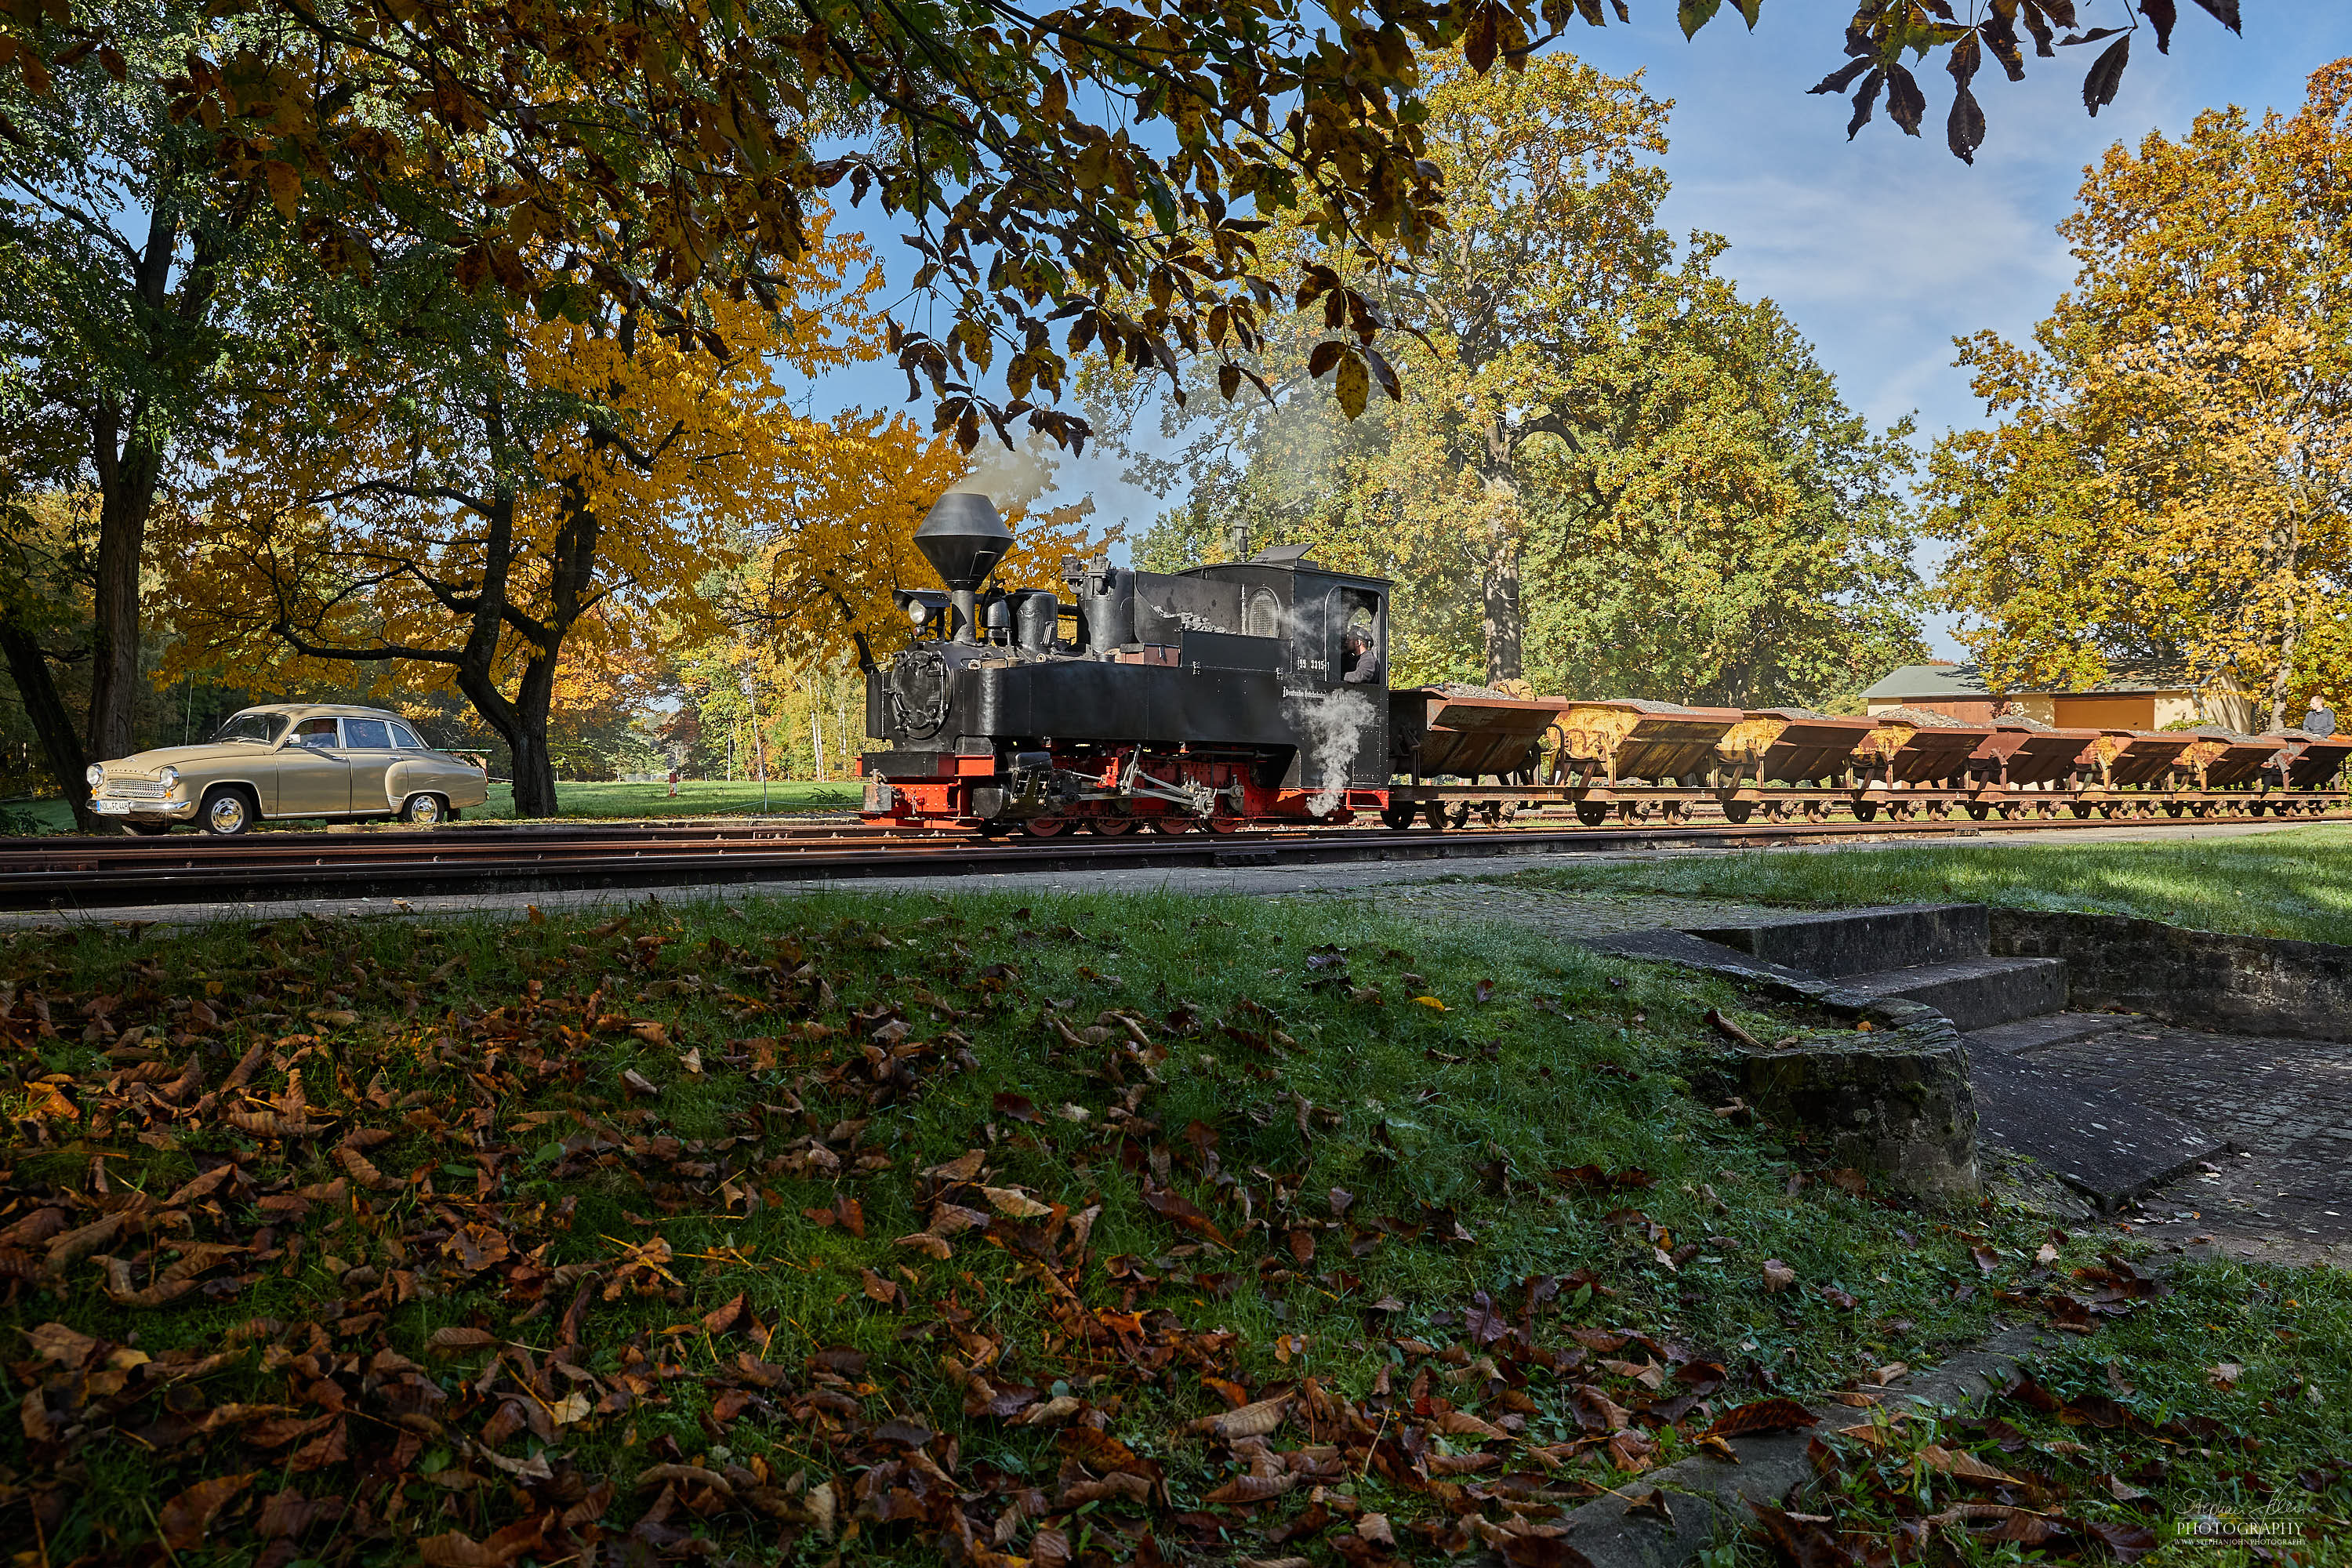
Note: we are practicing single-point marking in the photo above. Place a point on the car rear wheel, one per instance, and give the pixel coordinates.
(422, 811)
(227, 813)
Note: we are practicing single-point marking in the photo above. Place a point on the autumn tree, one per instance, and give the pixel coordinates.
(2171, 474)
(128, 287)
(1088, 174)
(475, 511)
(1597, 443)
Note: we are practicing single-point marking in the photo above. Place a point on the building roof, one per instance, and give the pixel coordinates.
(1965, 683)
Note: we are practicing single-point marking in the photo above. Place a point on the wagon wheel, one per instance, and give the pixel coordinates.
(1866, 811)
(2013, 811)
(1592, 813)
(1458, 813)
(1776, 811)
(2080, 809)
(2174, 808)
(1491, 813)
(1817, 811)
(2047, 810)
(1633, 810)
(1676, 813)
(1978, 811)
(1046, 827)
(1398, 816)
(1435, 813)
(1900, 811)
(1736, 812)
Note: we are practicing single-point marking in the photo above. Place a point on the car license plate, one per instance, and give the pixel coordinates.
(113, 808)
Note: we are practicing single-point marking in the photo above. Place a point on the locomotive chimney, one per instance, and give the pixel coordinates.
(963, 538)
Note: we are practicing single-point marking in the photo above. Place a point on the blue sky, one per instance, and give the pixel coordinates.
(1885, 249)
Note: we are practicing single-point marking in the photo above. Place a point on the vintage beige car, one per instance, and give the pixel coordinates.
(289, 760)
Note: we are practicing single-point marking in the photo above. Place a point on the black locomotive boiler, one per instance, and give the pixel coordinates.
(1243, 692)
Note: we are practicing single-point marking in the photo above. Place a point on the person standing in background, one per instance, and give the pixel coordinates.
(2320, 721)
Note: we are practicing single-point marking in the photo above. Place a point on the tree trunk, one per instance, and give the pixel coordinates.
(60, 740)
(127, 483)
(1503, 619)
(2286, 558)
(521, 723)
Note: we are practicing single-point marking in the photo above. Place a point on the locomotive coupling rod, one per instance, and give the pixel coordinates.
(1134, 782)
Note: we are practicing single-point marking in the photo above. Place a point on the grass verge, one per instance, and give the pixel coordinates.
(1079, 1230)
(695, 798)
(592, 799)
(2297, 882)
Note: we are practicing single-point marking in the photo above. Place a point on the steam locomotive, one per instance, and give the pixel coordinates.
(1226, 695)
(1256, 692)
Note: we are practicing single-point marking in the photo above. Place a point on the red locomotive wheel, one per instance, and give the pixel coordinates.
(1112, 826)
(1171, 825)
(1225, 824)
(1046, 827)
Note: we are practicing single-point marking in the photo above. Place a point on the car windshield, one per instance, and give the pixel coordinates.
(261, 727)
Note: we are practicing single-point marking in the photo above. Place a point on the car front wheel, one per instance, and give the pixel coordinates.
(422, 811)
(226, 812)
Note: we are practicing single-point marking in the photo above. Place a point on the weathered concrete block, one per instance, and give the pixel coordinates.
(1860, 942)
(2197, 979)
(1896, 1105)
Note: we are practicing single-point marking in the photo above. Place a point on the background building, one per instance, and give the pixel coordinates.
(2131, 697)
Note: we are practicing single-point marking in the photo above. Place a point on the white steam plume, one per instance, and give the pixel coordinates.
(1331, 724)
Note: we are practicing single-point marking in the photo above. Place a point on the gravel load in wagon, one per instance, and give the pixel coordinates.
(1906, 749)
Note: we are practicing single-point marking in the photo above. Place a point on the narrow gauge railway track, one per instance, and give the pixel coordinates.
(95, 875)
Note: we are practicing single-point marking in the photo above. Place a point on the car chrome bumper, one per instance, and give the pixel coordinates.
(168, 810)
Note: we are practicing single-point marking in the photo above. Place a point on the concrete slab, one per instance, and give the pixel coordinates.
(1705, 1498)
(1862, 941)
(2104, 1146)
(2038, 1034)
(1973, 992)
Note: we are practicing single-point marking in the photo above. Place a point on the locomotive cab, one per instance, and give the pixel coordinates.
(1215, 697)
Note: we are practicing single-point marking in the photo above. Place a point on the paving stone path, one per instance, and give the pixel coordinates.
(2287, 1103)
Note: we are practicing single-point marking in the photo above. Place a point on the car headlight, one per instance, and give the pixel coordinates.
(97, 775)
(169, 778)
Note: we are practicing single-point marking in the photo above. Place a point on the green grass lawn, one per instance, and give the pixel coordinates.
(592, 798)
(1085, 1230)
(2293, 883)
(695, 798)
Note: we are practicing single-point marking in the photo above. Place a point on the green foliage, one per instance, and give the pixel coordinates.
(1606, 473)
(2167, 481)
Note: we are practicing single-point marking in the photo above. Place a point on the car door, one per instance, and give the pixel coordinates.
(367, 747)
(313, 779)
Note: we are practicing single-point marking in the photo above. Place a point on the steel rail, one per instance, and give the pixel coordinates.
(228, 871)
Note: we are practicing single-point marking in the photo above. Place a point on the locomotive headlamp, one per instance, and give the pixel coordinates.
(917, 611)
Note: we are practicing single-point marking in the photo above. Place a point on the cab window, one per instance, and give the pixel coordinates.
(367, 734)
(405, 739)
(315, 732)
